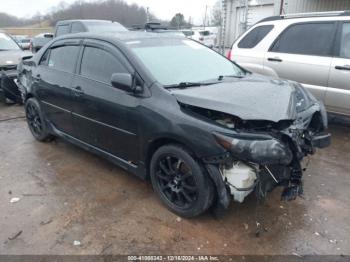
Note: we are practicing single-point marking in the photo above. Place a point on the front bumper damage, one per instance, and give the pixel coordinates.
(9, 89)
(259, 161)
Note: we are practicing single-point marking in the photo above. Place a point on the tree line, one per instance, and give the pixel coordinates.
(115, 10)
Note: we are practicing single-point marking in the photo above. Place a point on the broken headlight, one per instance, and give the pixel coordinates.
(262, 150)
(303, 97)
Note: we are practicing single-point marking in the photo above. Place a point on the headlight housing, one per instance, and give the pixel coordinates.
(262, 150)
(303, 98)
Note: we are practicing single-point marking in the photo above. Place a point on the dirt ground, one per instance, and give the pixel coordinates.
(66, 195)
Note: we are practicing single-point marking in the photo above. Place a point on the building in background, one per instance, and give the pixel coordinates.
(239, 15)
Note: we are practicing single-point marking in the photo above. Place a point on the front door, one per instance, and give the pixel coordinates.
(303, 53)
(338, 92)
(105, 117)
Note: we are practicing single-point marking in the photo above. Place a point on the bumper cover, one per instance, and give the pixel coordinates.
(321, 140)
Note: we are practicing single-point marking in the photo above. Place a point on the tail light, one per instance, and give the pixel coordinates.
(229, 54)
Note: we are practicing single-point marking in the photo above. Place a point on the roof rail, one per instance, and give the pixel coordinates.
(316, 14)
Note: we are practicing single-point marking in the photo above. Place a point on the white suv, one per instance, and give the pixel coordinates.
(313, 49)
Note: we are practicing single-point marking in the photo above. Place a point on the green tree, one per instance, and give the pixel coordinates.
(178, 21)
(216, 14)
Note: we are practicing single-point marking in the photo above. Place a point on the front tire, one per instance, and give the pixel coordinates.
(36, 121)
(180, 181)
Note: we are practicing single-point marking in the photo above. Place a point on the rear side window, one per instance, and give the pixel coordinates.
(345, 41)
(306, 39)
(62, 30)
(77, 28)
(255, 36)
(63, 58)
(98, 64)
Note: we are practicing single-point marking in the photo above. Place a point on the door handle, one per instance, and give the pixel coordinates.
(275, 59)
(346, 67)
(78, 91)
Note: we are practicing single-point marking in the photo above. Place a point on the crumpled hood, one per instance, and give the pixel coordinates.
(253, 97)
(12, 57)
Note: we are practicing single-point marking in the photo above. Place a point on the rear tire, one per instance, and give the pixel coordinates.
(36, 121)
(180, 181)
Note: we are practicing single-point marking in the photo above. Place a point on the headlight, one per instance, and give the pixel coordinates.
(264, 150)
(303, 97)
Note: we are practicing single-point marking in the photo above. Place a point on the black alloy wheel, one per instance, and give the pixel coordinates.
(176, 181)
(36, 121)
(180, 181)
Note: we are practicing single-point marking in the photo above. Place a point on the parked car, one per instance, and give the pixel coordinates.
(313, 49)
(165, 107)
(78, 26)
(23, 41)
(10, 55)
(203, 36)
(156, 27)
(39, 41)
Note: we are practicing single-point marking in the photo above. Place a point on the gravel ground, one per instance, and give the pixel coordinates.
(73, 202)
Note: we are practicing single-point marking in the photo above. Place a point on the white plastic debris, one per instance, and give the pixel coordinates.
(178, 219)
(333, 241)
(76, 243)
(14, 200)
(245, 226)
(317, 234)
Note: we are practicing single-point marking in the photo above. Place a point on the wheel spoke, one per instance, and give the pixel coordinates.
(187, 197)
(163, 168)
(188, 187)
(165, 186)
(170, 166)
(165, 178)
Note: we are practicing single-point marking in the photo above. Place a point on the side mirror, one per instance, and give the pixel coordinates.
(48, 35)
(122, 81)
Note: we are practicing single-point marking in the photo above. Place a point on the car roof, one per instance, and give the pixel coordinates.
(82, 21)
(120, 36)
(312, 15)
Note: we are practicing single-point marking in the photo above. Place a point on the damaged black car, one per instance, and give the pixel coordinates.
(204, 130)
(10, 55)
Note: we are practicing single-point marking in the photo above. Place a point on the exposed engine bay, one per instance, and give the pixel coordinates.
(264, 154)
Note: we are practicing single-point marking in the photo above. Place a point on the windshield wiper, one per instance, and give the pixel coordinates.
(183, 85)
(221, 77)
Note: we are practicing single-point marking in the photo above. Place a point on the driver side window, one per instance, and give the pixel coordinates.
(98, 64)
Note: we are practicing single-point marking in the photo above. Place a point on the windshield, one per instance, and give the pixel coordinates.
(174, 61)
(7, 43)
(105, 27)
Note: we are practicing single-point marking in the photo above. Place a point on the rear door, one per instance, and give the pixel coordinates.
(104, 116)
(303, 53)
(53, 79)
(338, 92)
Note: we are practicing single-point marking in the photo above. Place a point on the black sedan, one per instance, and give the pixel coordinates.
(204, 130)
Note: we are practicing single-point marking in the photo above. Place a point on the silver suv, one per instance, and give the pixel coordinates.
(313, 49)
